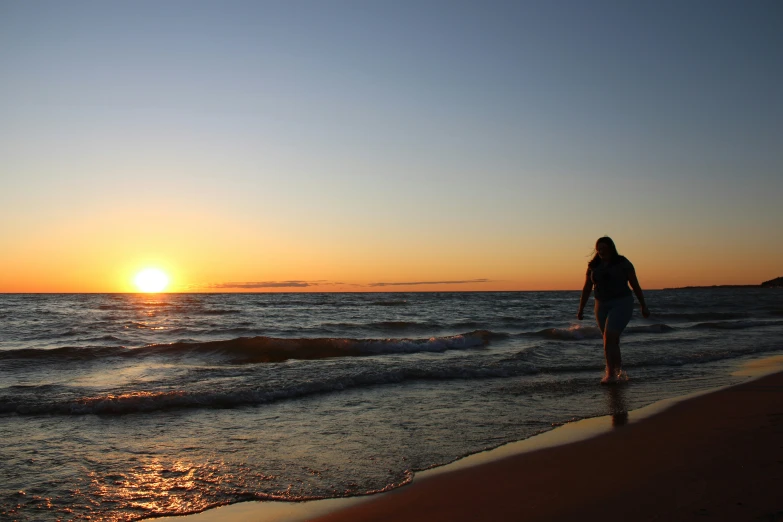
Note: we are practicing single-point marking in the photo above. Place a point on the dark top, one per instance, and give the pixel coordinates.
(610, 280)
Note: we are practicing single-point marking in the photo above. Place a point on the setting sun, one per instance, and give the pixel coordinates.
(151, 280)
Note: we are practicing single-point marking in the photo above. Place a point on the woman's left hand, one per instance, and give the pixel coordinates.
(645, 311)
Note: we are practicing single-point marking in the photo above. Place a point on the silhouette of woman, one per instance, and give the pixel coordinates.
(609, 274)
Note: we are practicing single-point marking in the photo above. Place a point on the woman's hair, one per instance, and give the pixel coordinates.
(606, 240)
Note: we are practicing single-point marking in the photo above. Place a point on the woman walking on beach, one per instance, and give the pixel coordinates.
(609, 274)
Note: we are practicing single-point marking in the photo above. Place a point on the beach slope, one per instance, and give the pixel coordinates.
(714, 457)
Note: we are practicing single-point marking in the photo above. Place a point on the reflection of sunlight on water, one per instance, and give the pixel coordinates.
(154, 488)
(119, 376)
(161, 299)
(105, 402)
(147, 325)
(151, 306)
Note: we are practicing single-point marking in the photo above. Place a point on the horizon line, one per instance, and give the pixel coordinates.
(381, 291)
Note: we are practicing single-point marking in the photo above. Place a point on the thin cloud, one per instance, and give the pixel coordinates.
(264, 284)
(414, 283)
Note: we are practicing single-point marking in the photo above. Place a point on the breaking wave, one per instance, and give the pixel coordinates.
(49, 399)
(263, 349)
(244, 350)
(579, 332)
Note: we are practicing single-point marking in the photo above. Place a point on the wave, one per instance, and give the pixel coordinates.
(701, 316)
(262, 349)
(38, 400)
(404, 326)
(146, 401)
(650, 328)
(156, 303)
(174, 308)
(578, 332)
(75, 353)
(137, 304)
(245, 350)
(466, 324)
(575, 332)
(119, 307)
(385, 326)
(735, 325)
(401, 325)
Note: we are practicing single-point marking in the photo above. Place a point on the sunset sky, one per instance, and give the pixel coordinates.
(388, 145)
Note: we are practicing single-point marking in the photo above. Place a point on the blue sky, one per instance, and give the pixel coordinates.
(411, 127)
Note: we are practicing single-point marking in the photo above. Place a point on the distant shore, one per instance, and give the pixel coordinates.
(772, 283)
(712, 286)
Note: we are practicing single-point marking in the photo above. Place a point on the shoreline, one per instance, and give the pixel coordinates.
(488, 485)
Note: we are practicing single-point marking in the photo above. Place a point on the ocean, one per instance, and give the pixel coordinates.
(126, 406)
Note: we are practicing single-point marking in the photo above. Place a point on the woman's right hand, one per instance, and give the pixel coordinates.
(580, 315)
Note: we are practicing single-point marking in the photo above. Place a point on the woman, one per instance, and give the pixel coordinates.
(610, 273)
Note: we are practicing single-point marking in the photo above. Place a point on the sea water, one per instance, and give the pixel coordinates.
(125, 406)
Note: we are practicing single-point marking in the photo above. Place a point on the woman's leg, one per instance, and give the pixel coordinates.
(617, 319)
(614, 361)
(611, 339)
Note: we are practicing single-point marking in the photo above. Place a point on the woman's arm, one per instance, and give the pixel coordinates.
(637, 289)
(586, 290)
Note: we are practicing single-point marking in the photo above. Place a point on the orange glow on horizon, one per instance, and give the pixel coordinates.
(103, 261)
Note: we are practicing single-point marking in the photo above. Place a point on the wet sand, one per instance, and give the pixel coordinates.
(715, 456)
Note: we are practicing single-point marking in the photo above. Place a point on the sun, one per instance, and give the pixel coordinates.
(151, 280)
